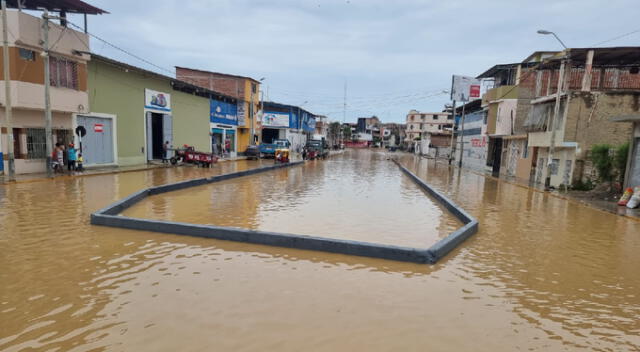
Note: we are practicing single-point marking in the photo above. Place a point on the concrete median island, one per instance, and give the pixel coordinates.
(109, 217)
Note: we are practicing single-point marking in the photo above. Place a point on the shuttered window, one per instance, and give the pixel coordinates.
(64, 73)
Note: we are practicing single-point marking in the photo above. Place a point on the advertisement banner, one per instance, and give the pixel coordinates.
(464, 89)
(242, 116)
(221, 112)
(309, 124)
(157, 101)
(275, 119)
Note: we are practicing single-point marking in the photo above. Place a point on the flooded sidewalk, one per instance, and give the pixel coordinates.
(542, 273)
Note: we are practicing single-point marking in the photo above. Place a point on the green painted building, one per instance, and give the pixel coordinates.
(135, 111)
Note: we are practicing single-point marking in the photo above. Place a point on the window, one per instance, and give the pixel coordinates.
(28, 55)
(525, 152)
(254, 88)
(411, 126)
(439, 127)
(435, 117)
(36, 143)
(449, 117)
(554, 166)
(64, 73)
(421, 126)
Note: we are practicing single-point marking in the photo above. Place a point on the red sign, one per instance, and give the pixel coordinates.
(98, 127)
(474, 91)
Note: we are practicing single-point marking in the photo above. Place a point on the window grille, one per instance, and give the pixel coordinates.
(64, 73)
(36, 143)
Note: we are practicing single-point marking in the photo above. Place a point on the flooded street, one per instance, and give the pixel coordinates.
(542, 273)
(358, 196)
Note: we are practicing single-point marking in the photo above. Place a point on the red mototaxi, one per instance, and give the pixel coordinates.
(188, 154)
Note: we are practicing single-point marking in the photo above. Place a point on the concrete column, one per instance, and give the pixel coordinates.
(586, 79)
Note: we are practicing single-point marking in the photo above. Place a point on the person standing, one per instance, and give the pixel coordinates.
(166, 148)
(60, 157)
(72, 156)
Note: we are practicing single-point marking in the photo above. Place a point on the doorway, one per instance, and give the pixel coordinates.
(98, 143)
(156, 135)
(497, 156)
(159, 131)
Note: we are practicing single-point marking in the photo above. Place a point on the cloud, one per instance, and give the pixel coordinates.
(384, 50)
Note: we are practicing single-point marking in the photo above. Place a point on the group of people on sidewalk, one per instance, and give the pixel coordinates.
(73, 159)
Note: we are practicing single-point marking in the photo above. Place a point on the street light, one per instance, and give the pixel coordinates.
(544, 32)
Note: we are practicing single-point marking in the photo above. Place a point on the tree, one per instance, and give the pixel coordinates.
(346, 132)
(334, 132)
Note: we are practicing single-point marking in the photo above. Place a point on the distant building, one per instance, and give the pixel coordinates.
(245, 89)
(368, 129)
(418, 124)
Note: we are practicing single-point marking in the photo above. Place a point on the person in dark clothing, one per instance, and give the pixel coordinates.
(165, 152)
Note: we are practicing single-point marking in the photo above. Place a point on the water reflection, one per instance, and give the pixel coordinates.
(541, 274)
(357, 196)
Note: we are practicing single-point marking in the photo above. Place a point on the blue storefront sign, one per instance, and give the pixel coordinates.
(309, 123)
(1, 162)
(222, 112)
(293, 121)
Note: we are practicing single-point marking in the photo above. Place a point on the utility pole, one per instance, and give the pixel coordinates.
(453, 133)
(7, 95)
(47, 97)
(461, 136)
(554, 119)
(344, 107)
(252, 117)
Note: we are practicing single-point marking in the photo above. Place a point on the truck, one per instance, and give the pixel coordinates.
(315, 149)
(268, 150)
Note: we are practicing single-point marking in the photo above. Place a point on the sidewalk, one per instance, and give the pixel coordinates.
(38, 177)
(584, 198)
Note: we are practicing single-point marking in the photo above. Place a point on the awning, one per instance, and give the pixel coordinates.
(74, 6)
(626, 118)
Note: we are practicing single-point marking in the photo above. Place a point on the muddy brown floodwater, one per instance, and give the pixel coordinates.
(542, 273)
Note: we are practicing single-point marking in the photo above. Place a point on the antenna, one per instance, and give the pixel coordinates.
(344, 111)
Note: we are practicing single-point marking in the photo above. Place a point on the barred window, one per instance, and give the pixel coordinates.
(64, 73)
(36, 143)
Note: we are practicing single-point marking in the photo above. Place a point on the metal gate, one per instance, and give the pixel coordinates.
(97, 144)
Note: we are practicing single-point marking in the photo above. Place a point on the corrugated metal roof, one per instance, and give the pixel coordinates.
(74, 6)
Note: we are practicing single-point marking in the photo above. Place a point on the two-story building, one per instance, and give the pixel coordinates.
(68, 82)
(596, 85)
(245, 89)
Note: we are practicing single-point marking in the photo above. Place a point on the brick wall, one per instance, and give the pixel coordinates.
(231, 86)
(588, 118)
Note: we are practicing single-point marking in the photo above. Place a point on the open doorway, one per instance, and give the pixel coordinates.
(156, 133)
(159, 130)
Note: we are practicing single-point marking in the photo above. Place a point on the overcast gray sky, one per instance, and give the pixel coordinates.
(394, 55)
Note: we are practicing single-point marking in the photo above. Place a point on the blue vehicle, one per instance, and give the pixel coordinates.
(268, 150)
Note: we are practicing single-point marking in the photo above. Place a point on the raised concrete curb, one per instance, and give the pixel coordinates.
(109, 217)
(447, 244)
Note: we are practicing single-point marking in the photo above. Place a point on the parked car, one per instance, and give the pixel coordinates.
(252, 152)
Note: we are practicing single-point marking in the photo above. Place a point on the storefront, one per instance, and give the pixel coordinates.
(159, 123)
(224, 127)
(274, 125)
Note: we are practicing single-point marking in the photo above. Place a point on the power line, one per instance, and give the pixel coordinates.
(123, 50)
(616, 38)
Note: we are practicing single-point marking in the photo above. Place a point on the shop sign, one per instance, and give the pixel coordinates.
(465, 88)
(222, 112)
(241, 114)
(275, 119)
(157, 101)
